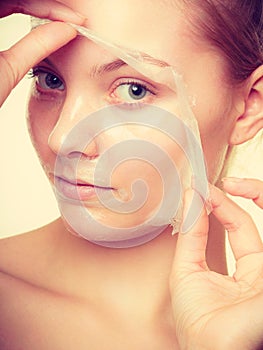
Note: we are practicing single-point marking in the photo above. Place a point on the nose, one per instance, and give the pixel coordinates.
(68, 136)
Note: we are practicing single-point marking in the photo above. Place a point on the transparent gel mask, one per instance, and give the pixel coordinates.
(164, 143)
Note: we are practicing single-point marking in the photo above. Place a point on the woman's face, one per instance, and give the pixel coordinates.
(71, 84)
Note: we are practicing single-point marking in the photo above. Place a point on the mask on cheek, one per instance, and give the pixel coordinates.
(87, 190)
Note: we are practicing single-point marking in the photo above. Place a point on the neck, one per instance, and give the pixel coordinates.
(138, 275)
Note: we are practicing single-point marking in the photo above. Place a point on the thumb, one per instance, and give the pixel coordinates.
(38, 44)
(190, 252)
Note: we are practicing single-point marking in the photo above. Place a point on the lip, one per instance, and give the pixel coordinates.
(78, 189)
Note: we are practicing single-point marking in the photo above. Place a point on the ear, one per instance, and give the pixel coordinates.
(251, 121)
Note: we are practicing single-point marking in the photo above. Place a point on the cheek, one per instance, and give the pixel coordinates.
(215, 119)
(129, 172)
(160, 159)
(41, 119)
(204, 74)
(213, 106)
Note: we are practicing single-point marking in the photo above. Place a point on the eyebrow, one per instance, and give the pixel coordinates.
(117, 64)
(99, 70)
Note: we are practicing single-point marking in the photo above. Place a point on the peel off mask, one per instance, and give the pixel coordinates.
(146, 157)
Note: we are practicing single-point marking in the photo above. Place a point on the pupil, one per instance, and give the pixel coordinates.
(137, 91)
(53, 81)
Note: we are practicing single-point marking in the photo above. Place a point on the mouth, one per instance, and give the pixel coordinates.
(78, 189)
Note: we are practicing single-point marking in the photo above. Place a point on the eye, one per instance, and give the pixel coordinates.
(131, 92)
(47, 80)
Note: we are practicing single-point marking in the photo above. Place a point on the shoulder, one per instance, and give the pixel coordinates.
(45, 259)
(21, 254)
(23, 287)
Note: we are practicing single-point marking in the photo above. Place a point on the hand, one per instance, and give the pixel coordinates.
(213, 311)
(40, 8)
(40, 43)
(247, 188)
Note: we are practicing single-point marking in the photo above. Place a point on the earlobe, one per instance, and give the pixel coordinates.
(251, 121)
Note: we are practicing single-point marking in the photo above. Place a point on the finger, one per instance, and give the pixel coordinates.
(45, 9)
(192, 240)
(38, 44)
(247, 188)
(242, 232)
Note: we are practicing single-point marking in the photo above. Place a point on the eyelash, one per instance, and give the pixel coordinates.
(112, 99)
(37, 71)
(33, 72)
(122, 82)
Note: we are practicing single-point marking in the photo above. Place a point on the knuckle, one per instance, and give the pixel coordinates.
(39, 41)
(50, 12)
(244, 220)
(232, 226)
(8, 67)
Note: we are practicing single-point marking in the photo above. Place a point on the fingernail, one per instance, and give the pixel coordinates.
(81, 19)
(232, 179)
(69, 15)
(80, 15)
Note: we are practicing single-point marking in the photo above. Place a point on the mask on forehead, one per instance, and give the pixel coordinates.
(177, 124)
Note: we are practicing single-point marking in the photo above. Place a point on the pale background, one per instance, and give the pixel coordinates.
(26, 200)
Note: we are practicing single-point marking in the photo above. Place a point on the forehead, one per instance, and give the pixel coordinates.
(117, 8)
(153, 26)
(156, 27)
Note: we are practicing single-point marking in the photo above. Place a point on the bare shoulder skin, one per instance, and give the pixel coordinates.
(35, 310)
(53, 295)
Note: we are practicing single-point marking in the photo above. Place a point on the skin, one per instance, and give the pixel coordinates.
(75, 288)
(42, 38)
(231, 297)
(51, 117)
